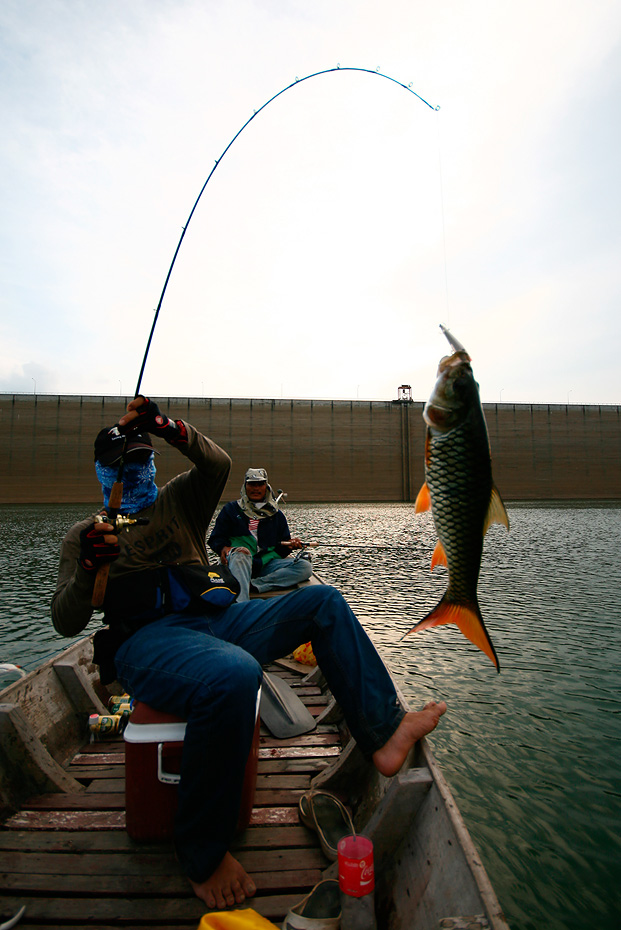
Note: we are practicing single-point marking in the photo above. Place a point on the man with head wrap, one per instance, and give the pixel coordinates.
(201, 661)
(251, 536)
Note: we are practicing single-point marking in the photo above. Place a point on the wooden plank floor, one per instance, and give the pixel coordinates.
(68, 859)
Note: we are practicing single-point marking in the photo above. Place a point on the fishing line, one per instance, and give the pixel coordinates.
(446, 290)
(297, 81)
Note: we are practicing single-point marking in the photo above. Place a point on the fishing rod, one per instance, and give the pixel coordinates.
(339, 545)
(295, 83)
(116, 495)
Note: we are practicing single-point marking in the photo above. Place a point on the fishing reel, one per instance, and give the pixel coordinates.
(121, 521)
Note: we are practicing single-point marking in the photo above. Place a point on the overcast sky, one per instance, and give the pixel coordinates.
(344, 224)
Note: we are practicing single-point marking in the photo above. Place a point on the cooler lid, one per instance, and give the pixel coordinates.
(154, 732)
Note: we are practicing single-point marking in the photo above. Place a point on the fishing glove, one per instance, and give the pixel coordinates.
(94, 550)
(152, 420)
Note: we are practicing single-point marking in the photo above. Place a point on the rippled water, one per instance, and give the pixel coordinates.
(533, 755)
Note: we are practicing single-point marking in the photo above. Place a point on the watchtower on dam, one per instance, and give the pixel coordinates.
(317, 450)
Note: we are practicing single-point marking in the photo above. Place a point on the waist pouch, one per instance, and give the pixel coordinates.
(214, 585)
(138, 598)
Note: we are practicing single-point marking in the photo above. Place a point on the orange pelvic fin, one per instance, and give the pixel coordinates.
(496, 512)
(423, 500)
(439, 556)
(467, 618)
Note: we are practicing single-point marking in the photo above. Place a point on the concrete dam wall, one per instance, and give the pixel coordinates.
(316, 450)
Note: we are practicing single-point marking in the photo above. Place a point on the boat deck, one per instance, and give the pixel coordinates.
(69, 861)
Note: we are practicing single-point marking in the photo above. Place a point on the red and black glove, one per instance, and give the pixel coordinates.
(151, 420)
(94, 550)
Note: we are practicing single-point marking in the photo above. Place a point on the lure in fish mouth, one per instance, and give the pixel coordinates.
(460, 492)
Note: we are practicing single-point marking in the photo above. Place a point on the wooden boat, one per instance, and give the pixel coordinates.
(65, 855)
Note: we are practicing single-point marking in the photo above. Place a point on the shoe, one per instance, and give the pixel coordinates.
(328, 817)
(319, 910)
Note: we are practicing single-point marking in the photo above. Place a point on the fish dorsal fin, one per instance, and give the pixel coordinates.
(496, 512)
(423, 500)
(439, 556)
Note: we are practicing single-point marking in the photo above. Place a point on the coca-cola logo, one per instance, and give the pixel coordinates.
(367, 873)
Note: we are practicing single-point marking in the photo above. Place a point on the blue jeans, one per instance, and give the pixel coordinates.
(206, 668)
(278, 573)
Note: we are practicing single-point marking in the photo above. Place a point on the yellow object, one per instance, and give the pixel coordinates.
(305, 655)
(244, 919)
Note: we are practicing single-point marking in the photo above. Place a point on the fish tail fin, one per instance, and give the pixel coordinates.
(467, 617)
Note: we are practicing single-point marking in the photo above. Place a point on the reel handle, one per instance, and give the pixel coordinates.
(101, 578)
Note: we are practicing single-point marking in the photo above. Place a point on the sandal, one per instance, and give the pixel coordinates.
(328, 817)
(319, 910)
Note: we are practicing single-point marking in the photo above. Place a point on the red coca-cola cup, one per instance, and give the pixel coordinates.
(356, 872)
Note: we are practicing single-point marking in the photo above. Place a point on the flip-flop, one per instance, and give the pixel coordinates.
(328, 817)
(319, 910)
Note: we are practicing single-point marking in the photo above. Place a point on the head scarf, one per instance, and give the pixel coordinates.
(261, 509)
(139, 487)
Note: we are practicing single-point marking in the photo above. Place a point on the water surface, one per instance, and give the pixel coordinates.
(533, 754)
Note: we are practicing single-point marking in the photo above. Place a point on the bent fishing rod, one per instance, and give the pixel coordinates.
(295, 83)
(116, 494)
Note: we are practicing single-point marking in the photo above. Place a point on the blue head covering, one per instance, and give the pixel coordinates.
(139, 487)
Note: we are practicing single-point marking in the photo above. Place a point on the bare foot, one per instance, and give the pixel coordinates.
(230, 884)
(389, 759)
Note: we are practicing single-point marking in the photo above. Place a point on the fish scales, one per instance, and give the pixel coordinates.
(459, 477)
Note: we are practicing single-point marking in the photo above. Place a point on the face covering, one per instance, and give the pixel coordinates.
(139, 488)
(265, 508)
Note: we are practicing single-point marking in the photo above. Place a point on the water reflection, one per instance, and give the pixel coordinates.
(533, 755)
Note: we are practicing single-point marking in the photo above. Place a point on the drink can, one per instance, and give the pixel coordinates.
(98, 723)
(356, 871)
(124, 708)
(118, 702)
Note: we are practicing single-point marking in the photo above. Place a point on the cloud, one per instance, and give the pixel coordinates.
(29, 378)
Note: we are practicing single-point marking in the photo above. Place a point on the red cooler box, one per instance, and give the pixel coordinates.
(153, 745)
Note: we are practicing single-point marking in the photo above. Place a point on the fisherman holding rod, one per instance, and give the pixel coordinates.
(199, 660)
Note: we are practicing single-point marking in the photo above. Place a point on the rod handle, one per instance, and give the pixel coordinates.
(101, 578)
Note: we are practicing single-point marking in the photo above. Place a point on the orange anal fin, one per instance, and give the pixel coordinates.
(423, 500)
(439, 556)
(467, 619)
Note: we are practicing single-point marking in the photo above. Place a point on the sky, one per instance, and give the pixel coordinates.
(346, 221)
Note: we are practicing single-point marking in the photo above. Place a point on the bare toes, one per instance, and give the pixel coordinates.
(238, 892)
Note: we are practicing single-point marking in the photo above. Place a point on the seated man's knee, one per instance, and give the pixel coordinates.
(239, 673)
(305, 569)
(240, 550)
(242, 666)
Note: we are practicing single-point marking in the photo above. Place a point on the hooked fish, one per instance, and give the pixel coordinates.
(460, 492)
